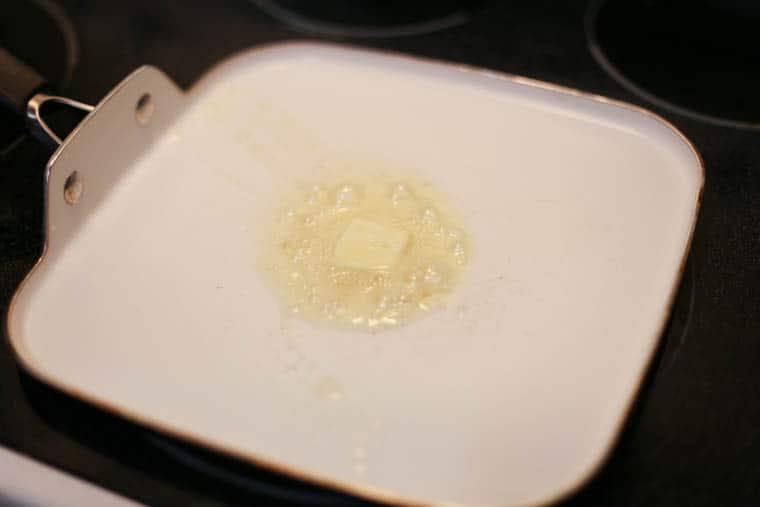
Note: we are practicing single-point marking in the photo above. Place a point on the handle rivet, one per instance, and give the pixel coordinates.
(144, 108)
(72, 189)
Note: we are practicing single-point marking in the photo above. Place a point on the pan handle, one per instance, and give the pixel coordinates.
(22, 92)
(37, 126)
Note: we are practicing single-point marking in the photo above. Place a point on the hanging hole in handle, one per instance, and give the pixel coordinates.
(144, 108)
(72, 189)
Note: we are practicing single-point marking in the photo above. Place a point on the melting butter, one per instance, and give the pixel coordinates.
(369, 246)
(368, 252)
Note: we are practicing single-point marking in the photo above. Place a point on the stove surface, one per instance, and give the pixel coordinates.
(692, 437)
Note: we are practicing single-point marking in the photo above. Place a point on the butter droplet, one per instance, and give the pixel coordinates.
(399, 194)
(328, 388)
(346, 195)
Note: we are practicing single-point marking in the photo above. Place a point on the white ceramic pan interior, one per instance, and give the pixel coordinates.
(148, 301)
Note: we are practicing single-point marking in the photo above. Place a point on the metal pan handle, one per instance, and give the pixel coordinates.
(22, 92)
(35, 122)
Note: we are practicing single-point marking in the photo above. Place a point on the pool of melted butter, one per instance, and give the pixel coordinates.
(307, 268)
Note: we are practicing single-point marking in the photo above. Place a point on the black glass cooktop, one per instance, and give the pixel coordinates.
(692, 438)
(697, 58)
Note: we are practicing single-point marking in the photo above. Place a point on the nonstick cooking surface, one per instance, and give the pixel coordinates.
(691, 439)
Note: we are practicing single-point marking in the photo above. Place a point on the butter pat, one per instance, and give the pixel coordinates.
(370, 246)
